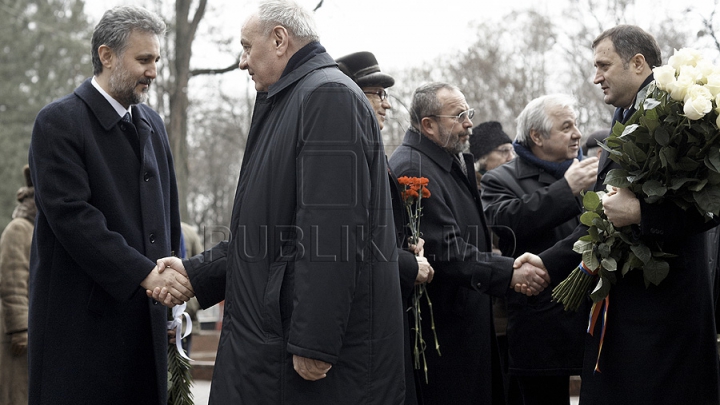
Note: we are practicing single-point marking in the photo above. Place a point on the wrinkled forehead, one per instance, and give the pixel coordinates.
(250, 28)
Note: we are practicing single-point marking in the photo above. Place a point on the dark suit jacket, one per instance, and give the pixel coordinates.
(107, 209)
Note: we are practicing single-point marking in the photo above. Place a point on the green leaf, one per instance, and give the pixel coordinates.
(699, 185)
(712, 160)
(668, 156)
(708, 199)
(649, 104)
(604, 250)
(588, 257)
(601, 290)
(654, 188)
(662, 136)
(609, 264)
(587, 218)
(655, 271)
(591, 201)
(634, 154)
(581, 246)
(687, 164)
(617, 178)
(629, 130)
(642, 252)
(676, 183)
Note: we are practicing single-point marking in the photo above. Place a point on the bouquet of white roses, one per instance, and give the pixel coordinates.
(669, 150)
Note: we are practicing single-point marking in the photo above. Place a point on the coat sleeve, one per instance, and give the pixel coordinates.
(62, 194)
(14, 270)
(506, 204)
(208, 274)
(408, 272)
(333, 189)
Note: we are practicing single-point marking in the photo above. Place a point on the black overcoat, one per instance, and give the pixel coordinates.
(457, 244)
(311, 269)
(660, 341)
(107, 209)
(530, 210)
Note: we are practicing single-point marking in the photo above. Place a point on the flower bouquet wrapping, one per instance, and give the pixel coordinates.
(414, 190)
(669, 151)
(180, 378)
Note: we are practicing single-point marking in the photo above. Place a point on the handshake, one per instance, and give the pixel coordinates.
(168, 282)
(530, 277)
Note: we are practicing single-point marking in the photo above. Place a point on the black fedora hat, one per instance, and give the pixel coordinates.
(363, 68)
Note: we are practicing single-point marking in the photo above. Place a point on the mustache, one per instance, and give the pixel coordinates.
(145, 81)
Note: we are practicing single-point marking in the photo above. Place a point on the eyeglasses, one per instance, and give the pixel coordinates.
(380, 93)
(505, 151)
(469, 114)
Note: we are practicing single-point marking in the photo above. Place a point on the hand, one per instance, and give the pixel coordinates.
(582, 174)
(530, 276)
(621, 207)
(171, 336)
(19, 343)
(311, 369)
(173, 286)
(425, 271)
(418, 249)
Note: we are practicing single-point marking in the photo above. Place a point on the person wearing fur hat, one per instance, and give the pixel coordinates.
(14, 269)
(533, 202)
(414, 268)
(490, 146)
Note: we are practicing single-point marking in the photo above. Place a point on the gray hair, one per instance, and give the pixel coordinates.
(115, 28)
(425, 102)
(296, 20)
(630, 40)
(535, 116)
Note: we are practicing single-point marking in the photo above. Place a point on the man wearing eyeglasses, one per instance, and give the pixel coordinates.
(531, 203)
(466, 368)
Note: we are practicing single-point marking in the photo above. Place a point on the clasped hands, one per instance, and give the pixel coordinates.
(168, 282)
(530, 277)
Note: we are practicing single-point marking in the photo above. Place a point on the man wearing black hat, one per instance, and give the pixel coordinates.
(591, 147)
(414, 268)
(490, 146)
(531, 203)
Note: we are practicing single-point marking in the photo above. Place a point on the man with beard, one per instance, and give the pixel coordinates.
(465, 369)
(107, 208)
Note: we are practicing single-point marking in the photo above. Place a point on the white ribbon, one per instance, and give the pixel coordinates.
(178, 313)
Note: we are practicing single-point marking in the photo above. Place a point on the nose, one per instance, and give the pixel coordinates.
(243, 65)
(467, 123)
(151, 72)
(386, 104)
(598, 77)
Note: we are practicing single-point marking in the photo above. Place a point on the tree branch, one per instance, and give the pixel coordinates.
(197, 72)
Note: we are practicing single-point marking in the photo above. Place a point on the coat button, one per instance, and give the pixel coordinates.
(152, 238)
(478, 285)
(122, 127)
(155, 302)
(146, 176)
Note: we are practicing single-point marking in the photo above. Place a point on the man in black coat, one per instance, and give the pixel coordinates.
(531, 203)
(107, 210)
(457, 244)
(659, 344)
(310, 275)
(414, 268)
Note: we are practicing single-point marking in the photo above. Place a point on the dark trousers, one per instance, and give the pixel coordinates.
(542, 390)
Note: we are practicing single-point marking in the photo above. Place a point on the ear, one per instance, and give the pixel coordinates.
(426, 124)
(280, 39)
(638, 62)
(107, 56)
(536, 137)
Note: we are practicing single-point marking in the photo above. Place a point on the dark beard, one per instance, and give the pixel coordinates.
(122, 87)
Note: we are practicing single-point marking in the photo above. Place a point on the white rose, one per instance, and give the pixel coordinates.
(679, 88)
(717, 121)
(717, 103)
(664, 76)
(706, 69)
(684, 57)
(698, 102)
(713, 83)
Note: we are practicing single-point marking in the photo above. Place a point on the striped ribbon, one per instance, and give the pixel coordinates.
(597, 308)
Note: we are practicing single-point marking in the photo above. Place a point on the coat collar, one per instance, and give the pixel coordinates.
(525, 169)
(318, 61)
(104, 112)
(430, 149)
